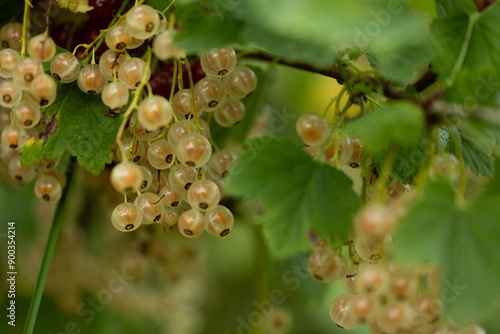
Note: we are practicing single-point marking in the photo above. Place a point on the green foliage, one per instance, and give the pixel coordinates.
(298, 194)
(476, 157)
(393, 123)
(80, 125)
(478, 77)
(462, 239)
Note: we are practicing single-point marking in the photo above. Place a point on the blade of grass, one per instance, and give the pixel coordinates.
(49, 251)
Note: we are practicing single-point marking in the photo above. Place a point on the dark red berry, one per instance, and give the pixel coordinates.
(160, 83)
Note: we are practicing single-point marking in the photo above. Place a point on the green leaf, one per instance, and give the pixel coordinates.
(298, 194)
(9, 10)
(477, 81)
(393, 123)
(462, 239)
(81, 126)
(476, 157)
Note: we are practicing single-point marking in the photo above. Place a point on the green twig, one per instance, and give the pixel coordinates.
(49, 251)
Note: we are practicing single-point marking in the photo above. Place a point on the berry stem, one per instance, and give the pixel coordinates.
(364, 185)
(49, 251)
(191, 87)
(332, 131)
(132, 106)
(385, 172)
(26, 14)
(168, 7)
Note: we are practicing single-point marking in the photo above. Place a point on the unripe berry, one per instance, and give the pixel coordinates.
(219, 62)
(115, 95)
(25, 71)
(117, 38)
(26, 114)
(161, 154)
(48, 189)
(312, 129)
(43, 90)
(220, 221)
(42, 47)
(14, 136)
(182, 102)
(164, 47)
(65, 67)
(342, 314)
(91, 80)
(126, 217)
(241, 82)
(203, 195)
(325, 265)
(8, 61)
(152, 207)
(171, 198)
(110, 63)
(191, 223)
(155, 112)
(10, 94)
(230, 113)
(193, 150)
(126, 177)
(142, 21)
(212, 93)
(20, 173)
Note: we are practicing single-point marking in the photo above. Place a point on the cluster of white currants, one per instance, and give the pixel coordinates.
(24, 89)
(314, 131)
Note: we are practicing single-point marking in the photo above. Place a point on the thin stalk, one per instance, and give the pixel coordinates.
(47, 256)
(25, 27)
(386, 171)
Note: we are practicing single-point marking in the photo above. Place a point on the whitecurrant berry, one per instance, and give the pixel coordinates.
(312, 129)
(193, 150)
(142, 21)
(8, 61)
(126, 177)
(241, 82)
(46, 165)
(115, 95)
(14, 136)
(126, 217)
(20, 173)
(25, 71)
(91, 80)
(219, 62)
(155, 112)
(136, 152)
(11, 34)
(152, 207)
(161, 154)
(48, 189)
(171, 198)
(375, 221)
(325, 265)
(117, 38)
(65, 67)
(182, 177)
(184, 127)
(342, 314)
(191, 223)
(43, 90)
(146, 178)
(212, 93)
(164, 47)
(10, 94)
(26, 114)
(203, 195)
(110, 63)
(182, 102)
(42, 47)
(220, 221)
(230, 113)
(220, 162)
(170, 217)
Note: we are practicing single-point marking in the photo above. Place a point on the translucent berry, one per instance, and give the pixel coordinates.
(193, 150)
(146, 179)
(45, 164)
(20, 173)
(126, 217)
(171, 198)
(182, 102)
(342, 314)
(137, 152)
(42, 47)
(219, 62)
(26, 114)
(155, 112)
(372, 279)
(25, 71)
(473, 329)
(365, 308)
(91, 80)
(115, 95)
(161, 154)
(348, 281)
(48, 189)
(135, 43)
(163, 22)
(131, 72)
(184, 127)
(8, 61)
(312, 129)
(397, 317)
(152, 207)
(117, 38)
(11, 35)
(357, 154)
(164, 47)
(220, 221)
(325, 265)
(212, 93)
(142, 21)
(375, 221)
(241, 82)
(10, 94)
(220, 162)
(126, 177)
(191, 223)
(230, 113)
(143, 134)
(170, 217)
(182, 177)
(445, 167)
(203, 195)
(404, 286)
(14, 136)
(43, 90)
(372, 250)
(110, 63)
(65, 67)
